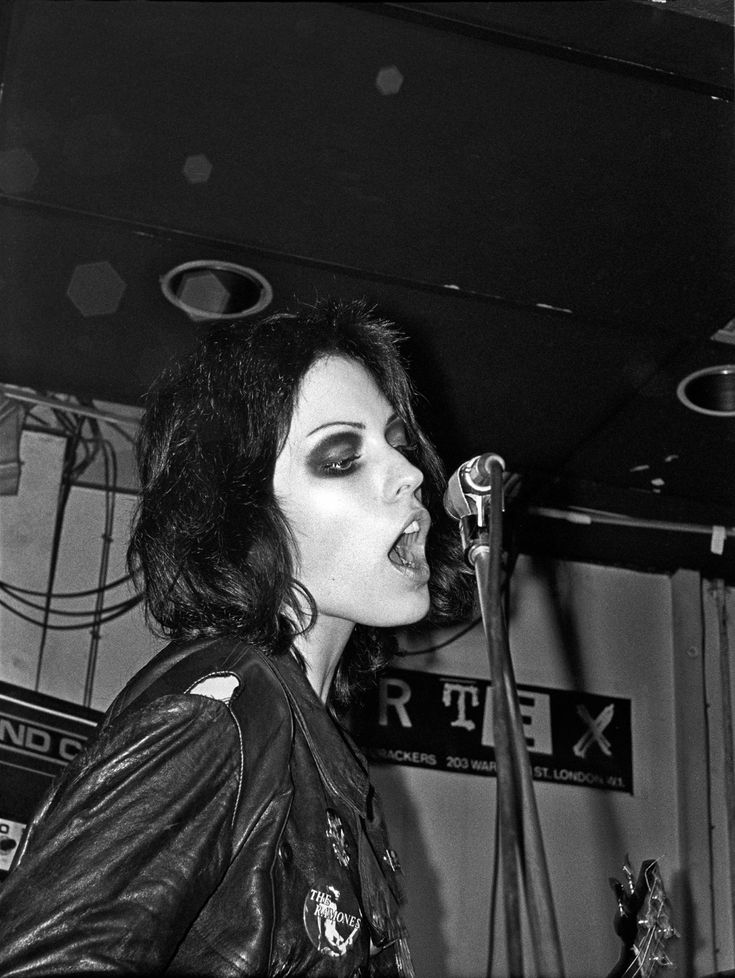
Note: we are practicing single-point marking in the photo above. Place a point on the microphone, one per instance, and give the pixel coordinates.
(468, 499)
(468, 484)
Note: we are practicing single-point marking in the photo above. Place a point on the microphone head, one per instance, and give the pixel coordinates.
(476, 475)
(472, 478)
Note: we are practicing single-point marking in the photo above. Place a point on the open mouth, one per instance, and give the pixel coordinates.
(408, 551)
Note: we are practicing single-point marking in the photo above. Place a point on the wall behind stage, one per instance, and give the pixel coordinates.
(589, 629)
(582, 628)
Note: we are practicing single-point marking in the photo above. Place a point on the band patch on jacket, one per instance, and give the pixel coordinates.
(332, 919)
(336, 835)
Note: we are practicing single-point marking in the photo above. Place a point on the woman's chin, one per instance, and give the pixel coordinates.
(410, 613)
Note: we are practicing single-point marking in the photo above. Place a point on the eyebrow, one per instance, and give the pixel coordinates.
(334, 424)
(351, 424)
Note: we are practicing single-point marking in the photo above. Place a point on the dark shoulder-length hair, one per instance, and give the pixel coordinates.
(210, 547)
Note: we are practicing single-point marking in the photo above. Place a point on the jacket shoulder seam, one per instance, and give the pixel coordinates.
(241, 771)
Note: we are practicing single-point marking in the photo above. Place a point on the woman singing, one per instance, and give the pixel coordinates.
(223, 823)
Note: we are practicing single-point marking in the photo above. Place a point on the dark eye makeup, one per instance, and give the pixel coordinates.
(337, 453)
(399, 437)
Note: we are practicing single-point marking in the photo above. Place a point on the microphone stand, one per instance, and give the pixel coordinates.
(522, 856)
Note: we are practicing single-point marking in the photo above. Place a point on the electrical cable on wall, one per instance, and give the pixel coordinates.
(14, 590)
(444, 644)
(116, 611)
(110, 465)
(69, 470)
(87, 614)
(79, 424)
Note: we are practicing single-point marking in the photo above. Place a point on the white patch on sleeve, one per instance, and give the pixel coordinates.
(221, 687)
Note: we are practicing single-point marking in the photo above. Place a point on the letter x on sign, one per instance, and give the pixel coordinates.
(594, 733)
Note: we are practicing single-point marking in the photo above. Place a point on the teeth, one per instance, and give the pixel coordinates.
(403, 553)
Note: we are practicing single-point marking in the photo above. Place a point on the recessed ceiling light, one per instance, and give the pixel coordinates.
(216, 290)
(710, 391)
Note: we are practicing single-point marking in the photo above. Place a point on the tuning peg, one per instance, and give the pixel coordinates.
(629, 877)
(663, 960)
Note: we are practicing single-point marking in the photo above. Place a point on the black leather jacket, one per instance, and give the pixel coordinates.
(221, 824)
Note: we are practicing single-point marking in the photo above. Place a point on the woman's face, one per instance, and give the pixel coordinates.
(352, 500)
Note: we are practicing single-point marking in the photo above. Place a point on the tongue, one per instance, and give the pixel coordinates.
(398, 554)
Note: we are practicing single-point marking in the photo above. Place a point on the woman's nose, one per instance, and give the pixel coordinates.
(408, 477)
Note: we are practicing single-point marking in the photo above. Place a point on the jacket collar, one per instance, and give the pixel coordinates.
(341, 765)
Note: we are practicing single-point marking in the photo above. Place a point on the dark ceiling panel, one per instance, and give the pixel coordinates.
(501, 171)
(524, 382)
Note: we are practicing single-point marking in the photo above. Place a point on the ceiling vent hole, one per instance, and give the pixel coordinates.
(216, 290)
(710, 391)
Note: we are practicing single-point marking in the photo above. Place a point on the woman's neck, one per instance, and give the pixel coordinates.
(321, 648)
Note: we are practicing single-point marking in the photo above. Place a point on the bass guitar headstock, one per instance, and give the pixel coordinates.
(642, 922)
